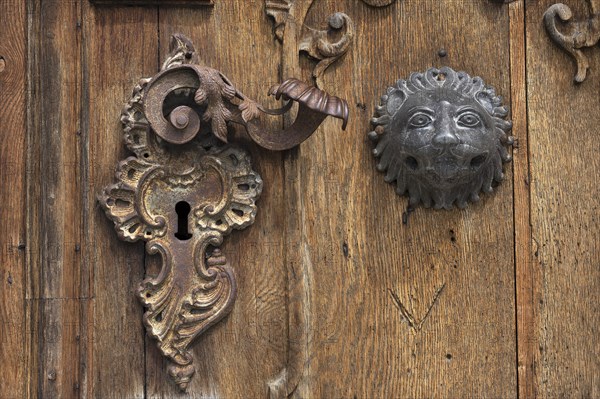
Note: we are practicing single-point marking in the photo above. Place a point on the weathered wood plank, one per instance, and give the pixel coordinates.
(121, 46)
(59, 281)
(418, 310)
(525, 272)
(33, 191)
(356, 273)
(238, 356)
(187, 3)
(14, 310)
(565, 207)
(300, 274)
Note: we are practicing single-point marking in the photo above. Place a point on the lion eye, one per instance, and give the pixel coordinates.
(420, 120)
(469, 119)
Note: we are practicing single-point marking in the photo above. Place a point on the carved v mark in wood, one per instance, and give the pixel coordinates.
(413, 322)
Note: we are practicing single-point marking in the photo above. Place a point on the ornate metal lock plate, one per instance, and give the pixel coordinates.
(441, 136)
(186, 188)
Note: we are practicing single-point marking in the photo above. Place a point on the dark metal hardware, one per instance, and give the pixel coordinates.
(585, 33)
(441, 137)
(186, 188)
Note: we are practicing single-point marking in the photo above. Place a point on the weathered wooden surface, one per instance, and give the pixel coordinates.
(524, 265)
(336, 297)
(121, 48)
(59, 278)
(247, 348)
(417, 310)
(188, 3)
(15, 311)
(564, 122)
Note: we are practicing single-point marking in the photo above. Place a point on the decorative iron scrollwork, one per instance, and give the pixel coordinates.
(441, 137)
(186, 188)
(583, 34)
(326, 46)
(318, 45)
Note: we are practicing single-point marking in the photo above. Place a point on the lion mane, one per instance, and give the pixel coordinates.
(387, 140)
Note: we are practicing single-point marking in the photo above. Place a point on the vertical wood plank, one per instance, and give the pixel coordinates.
(525, 272)
(14, 310)
(243, 352)
(33, 191)
(59, 282)
(565, 208)
(121, 46)
(453, 272)
(291, 380)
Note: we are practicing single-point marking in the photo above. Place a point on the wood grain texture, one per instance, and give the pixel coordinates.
(565, 206)
(526, 274)
(15, 312)
(121, 48)
(239, 355)
(397, 309)
(179, 3)
(59, 291)
(292, 380)
(336, 296)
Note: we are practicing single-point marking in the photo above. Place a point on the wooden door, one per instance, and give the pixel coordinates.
(342, 293)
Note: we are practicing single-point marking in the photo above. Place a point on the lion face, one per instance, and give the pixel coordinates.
(441, 138)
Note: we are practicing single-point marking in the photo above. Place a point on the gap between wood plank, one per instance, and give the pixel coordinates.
(524, 273)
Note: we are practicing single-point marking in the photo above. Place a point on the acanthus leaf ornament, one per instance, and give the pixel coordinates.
(185, 188)
(318, 45)
(441, 136)
(585, 33)
(326, 46)
(279, 11)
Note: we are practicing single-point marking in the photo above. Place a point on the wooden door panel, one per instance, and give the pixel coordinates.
(121, 46)
(15, 309)
(564, 147)
(341, 291)
(247, 349)
(524, 263)
(59, 275)
(405, 310)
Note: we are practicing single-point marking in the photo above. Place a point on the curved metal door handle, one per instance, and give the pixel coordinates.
(186, 188)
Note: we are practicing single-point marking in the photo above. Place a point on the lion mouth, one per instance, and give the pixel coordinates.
(448, 168)
(451, 165)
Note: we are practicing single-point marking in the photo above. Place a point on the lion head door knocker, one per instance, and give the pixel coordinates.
(442, 137)
(186, 188)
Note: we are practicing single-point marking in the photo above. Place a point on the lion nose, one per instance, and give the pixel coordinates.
(445, 138)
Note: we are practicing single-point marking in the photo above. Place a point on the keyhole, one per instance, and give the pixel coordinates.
(183, 210)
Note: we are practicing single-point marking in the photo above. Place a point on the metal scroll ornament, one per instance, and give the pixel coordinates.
(442, 137)
(185, 188)
(583, 33)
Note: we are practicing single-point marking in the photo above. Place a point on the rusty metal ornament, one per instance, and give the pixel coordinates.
(441, 136)
(325, 46)
(585, 33)
(186, 188)
(318, 45)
